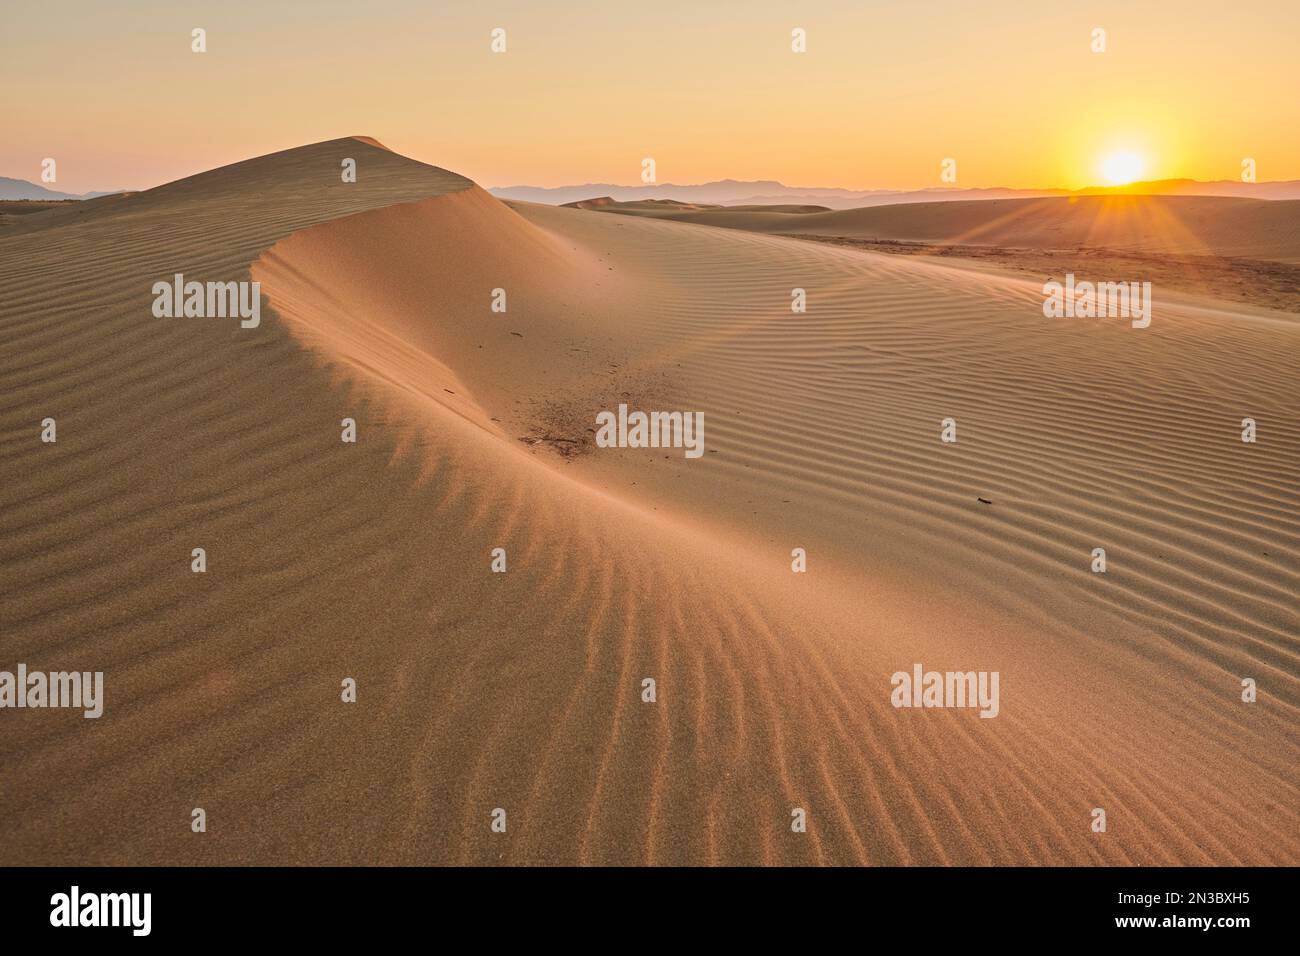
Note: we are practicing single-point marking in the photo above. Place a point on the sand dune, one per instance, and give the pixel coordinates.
(522, 690)
(1151, 225)
(1223, 249)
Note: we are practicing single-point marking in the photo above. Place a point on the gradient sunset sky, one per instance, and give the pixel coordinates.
(711, 90)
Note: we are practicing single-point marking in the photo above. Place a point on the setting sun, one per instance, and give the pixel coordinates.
(1120, 169)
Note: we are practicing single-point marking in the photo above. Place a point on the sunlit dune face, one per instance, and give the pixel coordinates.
(1120, 169)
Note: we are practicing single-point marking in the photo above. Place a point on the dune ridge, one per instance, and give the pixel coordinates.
(522, 690)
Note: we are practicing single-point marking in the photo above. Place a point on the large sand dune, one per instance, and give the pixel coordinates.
(523, 690)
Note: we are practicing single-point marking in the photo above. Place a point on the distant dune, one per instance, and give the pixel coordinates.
(10, 210)
(730, 192)
(523, 690)
(1155, 225)
(1239, 250)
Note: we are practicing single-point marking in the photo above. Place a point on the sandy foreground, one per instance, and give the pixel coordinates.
(523, 690)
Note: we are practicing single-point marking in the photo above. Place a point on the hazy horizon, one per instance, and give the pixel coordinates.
(58, 187)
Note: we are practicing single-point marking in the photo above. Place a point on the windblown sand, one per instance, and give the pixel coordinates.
(523, 690)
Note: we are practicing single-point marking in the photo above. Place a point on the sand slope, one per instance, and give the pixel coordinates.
(522, 690)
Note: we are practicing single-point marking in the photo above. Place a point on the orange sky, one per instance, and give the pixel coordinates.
(711, 90)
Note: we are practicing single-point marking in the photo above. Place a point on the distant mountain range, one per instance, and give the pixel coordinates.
(769, 192)
(11, 189)
(731, 192)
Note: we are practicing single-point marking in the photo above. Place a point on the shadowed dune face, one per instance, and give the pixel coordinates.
(523, 690)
